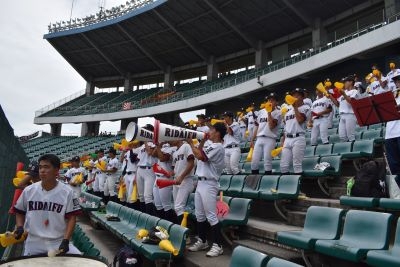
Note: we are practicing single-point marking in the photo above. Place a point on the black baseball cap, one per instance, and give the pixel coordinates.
(33, 168)
(349, 78)
(75, 159)
(100, 151)
(112, 150)
(221, 128)
(271, 95)
(228, 114)
(298, 90)
(201, 116)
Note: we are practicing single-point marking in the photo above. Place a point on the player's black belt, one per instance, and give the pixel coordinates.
(145, 167)
(242, 126)
(129, 173)
(232, 146)
(294, 135)
(203, 178)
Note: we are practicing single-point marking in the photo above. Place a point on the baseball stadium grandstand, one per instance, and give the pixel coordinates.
(161, 58)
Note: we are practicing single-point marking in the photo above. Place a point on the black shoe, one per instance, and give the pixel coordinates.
(267, 172)
(255, 172)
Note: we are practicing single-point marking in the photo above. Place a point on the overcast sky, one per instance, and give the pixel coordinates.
(32, 73)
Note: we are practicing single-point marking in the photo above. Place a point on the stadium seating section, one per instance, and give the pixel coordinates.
(82, 242)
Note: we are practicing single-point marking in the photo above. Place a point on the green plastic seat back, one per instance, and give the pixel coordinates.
(268, 182)
(93, 252)
(340, 148)
(334, 138)
(242, 256)
(113, 208)
(289, 184)
(239, 208)
(367, 228)
(310, 151)
(165, 224)
(152, 222)
(377, 126)
(134, 217)
(177, 236)
(276, 166)
(335, 162)
(324, 222)
(372, 134)
(276, 262)
(323, 150)
(86, 246)
(396, 245)
(309, 163)
(125, 214)
(247, 167)
(237, 182)
(141, 224)
(249, 178)
(224, 182)
(365, 146)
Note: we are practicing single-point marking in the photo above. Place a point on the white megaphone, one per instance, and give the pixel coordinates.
(165, 132)
(135, 132)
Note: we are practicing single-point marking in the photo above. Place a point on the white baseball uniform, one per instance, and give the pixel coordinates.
(348, 121)
(307, 101)
(232, 149)
(70, 174)
(242, 125)
(100, 180)
(320, 123)
(130, 161)
(181, 192)
(266, 139)
(145, 176)
(207, 189)
(90, 174)
(163, 196)
(251, 117)
(390, 83)
(392, 142)
(45, 216)
(295, 141)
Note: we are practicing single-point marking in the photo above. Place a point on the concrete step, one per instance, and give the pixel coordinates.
(272, 249)
(304, 204)
(199, 259)
(262, 229)
(296, 218)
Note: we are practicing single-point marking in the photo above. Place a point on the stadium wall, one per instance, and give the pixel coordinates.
(11, 152)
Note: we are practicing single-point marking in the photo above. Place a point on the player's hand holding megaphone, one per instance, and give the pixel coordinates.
(320, 87)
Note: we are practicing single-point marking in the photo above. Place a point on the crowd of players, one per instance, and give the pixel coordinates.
(198, 165)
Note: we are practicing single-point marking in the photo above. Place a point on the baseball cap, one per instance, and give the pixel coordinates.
(271, 95)
(297, 90)
(228, 114)
(221, 128)
(112, 150)
(349, 78)
(100, 150)
(75, 158)
(201, 116)
(33, 168)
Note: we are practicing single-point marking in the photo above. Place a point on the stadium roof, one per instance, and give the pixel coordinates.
(184, 32)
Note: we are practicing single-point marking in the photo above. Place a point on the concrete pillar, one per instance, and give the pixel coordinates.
(128, 84)
(212, 69)
(168, 78)
(90, 128)
(89, 88)
(392, 7)
(55, 129)
(318, 33)
(261, 55)
(124, 124)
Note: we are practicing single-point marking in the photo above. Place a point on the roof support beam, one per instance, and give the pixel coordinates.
(156, 61)
(198, 50)
(106, 58)
(306, 19)
(243, 35)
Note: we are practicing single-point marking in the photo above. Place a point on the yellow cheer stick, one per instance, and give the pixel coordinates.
(290, 99)
(275, 152)
(121, 190)
(8, 238)
(268, 107)
(185, 219)
(134, 193)
(102, 165)
(214, 121)
(339, 85)
(284, 110)
(250, 154)
(320, 87)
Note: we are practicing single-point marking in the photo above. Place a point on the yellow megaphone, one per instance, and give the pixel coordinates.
(121, 190)
(185, 219)
(21, 174)
(134, 193)
(339, 85)
(320, 87)
(268, 107)
(250, 154)
(8, 238)
(290, 99)
(117, 146)
(65, 165)
(102, 165)
(142, 233)
(78, 179)
(16, 181)
(327, 83)
(246, 134)
(275, 152)
(167, 246)
(377, 73)
(262, 105)
(193, 122)
(284, 110)
(87, 164)
(249, 109)
(214, 121)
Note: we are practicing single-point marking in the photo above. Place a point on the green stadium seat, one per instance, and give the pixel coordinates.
(246, 167)
(243, 157)
(389, 203)
(386, 258)
(310, 151)
(332, 131)
(333, 139)
(321, 223)
(361, 148)
(336, 164)
(342, 148)
(124, 216)
(152, 222)
(288, 186)
(249, 192)
(126, 227)
(360, 202)
(112, 209)
(363, 231)
(239, 209)
(86, 246)
(375, 135)
(92, 252)
(276, 262)
(190, 204)
(165, 224)
(268, 186)
(308, 167)
(224, 182)
(323, 150)
(236, 185)
(276, 166)
(242, 256)
(141, 224)
(377, 126)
